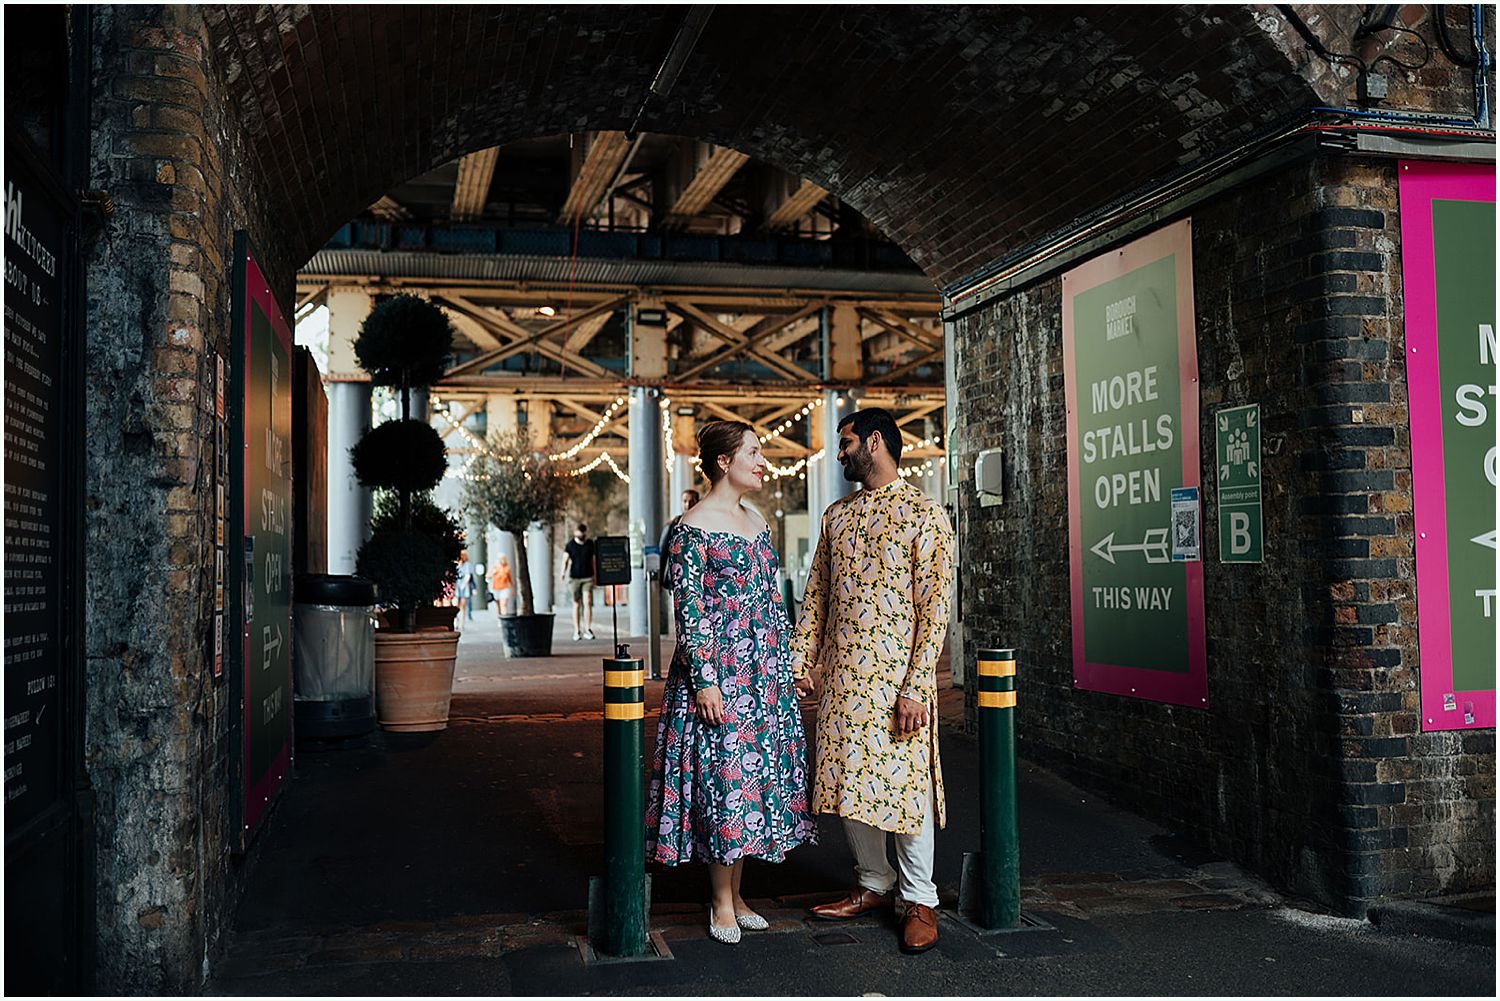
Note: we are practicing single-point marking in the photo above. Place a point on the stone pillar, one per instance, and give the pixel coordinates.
(350, 505)
(645, 493)
(837, 404)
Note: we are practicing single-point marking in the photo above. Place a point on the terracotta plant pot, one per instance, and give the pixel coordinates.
(414, 679)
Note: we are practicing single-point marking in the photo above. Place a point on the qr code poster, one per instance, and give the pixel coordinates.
(1185, 529)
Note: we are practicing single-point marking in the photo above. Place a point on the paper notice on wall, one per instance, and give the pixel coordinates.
(1185, 527)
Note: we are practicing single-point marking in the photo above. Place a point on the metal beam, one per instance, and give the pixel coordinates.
(754, 336)
(539, 339)
(798, 204)
(601, 161)
(389, 209)
(736, 338)
(475, 170)
(716, 171)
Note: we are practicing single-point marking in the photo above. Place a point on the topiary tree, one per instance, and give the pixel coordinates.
(412, 552)
(511, 486)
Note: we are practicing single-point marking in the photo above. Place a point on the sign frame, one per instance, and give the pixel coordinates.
(1421, 183)
(1190, 687)
(251, 293)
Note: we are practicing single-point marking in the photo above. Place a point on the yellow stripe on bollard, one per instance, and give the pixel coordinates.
(997, 668)
(625, 679)
(624, 710)
(997, 700)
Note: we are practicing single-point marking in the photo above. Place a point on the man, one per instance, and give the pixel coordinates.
(578, 564)
(874, 618)
(689, 498)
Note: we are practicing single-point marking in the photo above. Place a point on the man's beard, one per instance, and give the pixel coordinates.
(859, 465)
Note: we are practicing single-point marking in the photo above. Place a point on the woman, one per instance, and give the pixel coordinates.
(501, 584)
(729, 776)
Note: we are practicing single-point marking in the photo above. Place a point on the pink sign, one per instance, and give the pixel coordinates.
(1448, 270)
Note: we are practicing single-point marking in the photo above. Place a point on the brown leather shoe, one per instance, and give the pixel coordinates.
(918, 928)
(858, 902)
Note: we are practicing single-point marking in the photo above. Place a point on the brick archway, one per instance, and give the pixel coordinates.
(962, 133)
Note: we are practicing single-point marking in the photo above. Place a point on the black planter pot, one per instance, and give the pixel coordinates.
(527, 635)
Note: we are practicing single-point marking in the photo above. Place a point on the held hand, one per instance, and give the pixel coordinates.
(803, 686)
(710, 705)
(911, 716)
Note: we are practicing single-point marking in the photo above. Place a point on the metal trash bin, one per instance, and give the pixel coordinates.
(333, 655)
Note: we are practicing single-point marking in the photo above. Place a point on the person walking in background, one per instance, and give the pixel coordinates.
(578, 565)
(729, 773)
(690, 499)
(502, 583)
(463, 586)
(874, 618)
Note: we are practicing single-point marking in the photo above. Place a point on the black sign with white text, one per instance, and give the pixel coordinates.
(35, 235)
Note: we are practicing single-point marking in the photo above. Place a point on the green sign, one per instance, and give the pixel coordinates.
(268, 463)
(1464, 255)
(1130, 363)
(1130, 456)
(262, 472)
(1237, 472)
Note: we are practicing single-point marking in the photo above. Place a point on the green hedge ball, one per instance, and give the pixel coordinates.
(400, 455)
(405, 334)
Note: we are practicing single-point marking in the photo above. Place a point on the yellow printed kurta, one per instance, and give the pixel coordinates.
(874, 617)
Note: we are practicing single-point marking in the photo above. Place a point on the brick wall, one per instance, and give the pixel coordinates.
(158, 284)
(1309, 764)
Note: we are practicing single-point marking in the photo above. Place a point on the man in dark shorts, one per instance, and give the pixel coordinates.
(578, 565)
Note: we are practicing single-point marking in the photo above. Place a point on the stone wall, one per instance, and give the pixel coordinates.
(1309, 764)
(159, 749)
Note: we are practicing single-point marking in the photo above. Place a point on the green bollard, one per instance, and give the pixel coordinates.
(999, 834)
(624, 919)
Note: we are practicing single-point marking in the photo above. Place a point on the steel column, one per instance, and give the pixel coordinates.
(646, 474)
(350, 505)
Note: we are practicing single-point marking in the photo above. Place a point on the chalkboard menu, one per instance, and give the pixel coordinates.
(264, 423)
(36, 223)
(611, 560)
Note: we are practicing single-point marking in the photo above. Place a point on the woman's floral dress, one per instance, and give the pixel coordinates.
(739, 789)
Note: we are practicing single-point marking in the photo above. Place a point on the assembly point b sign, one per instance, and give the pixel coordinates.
(1237, 476)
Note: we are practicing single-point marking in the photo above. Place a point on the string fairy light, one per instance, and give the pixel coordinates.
(786, 425)
(596, 431)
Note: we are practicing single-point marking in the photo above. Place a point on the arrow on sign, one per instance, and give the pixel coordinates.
(268, 648)
(1153, 546)
(1252, 418)
(1487, 539)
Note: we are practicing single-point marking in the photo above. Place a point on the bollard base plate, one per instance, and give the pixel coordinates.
(656, 946)
(970, 892)
(1028, 922)
(656, 949)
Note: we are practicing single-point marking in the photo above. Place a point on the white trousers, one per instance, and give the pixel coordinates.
(912, 877)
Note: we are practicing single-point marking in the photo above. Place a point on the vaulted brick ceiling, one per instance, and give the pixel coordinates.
(964, 133)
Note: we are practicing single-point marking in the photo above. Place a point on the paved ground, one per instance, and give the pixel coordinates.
(458, 863)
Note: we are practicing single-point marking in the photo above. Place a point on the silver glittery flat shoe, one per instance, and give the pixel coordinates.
(729, 936)
(751, 922)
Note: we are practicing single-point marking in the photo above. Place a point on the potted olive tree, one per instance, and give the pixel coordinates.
(511, 486)
(412, 552)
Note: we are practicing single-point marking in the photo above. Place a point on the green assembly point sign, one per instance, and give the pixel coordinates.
(1237, 472)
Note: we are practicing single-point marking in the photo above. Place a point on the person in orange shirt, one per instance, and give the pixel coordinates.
(502, 584)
